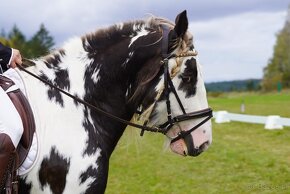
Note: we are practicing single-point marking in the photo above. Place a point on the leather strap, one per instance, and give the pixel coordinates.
(23, 108)
(8, 165)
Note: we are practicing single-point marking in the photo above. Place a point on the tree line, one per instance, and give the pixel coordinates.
(38, 45)
(277, 71)
(235, 85)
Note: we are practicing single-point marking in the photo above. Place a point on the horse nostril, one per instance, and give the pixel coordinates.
(198, 150)
(204, 146)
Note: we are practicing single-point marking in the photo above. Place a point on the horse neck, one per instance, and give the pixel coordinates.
(107, 88)
(100, 77)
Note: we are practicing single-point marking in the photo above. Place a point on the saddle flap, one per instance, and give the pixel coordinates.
(22, 106)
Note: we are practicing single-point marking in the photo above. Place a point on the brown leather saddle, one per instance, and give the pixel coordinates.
(22, 105)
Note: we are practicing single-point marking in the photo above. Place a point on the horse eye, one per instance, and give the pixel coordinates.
(186, 79)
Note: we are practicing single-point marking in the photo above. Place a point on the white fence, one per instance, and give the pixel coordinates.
(270, 122)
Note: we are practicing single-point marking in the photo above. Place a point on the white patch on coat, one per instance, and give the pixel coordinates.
(142, 32)
(120, 26)
(77, 60)
(129, 89)
(95, 76)
(127, 59)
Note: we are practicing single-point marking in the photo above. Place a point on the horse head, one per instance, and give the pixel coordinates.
(173, 96)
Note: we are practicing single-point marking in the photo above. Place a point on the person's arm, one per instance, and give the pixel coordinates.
(5, 57)
(9, 57)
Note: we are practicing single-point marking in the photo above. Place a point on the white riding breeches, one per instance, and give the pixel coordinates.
(10, 121)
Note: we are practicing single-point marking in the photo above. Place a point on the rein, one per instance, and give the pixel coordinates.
(168, 87)
(152, 129)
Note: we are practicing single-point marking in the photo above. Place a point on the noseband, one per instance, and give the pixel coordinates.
(168, 87)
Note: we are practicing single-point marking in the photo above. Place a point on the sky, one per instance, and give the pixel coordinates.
(234, 38)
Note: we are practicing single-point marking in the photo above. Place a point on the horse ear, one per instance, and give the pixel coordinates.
(181, 24)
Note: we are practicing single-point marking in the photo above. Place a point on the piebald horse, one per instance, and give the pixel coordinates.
(146, 69)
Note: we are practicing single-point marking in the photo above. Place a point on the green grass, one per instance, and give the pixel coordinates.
(244, 158)
(255, 103)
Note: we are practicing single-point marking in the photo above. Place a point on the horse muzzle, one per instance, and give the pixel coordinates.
(195, 143)
(193, 150)
(183, 148)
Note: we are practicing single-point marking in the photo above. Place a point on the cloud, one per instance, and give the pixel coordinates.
(66, 18)
(237, 47)
(235, 38)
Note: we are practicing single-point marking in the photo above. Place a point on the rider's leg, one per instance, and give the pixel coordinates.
(11, 130)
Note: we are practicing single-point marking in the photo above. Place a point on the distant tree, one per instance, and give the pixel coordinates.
(3, 33)
(250, 86)
(16, 39)
(278, 68)
(40, 43)
(233, 88)
(4, 40)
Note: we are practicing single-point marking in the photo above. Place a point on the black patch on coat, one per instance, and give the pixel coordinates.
(53, 171)
(75, 101)
(61, 81)
(189, 78)
(54, 59)
(92, 134)
(52, 93)
(100, 175)
(24, 187)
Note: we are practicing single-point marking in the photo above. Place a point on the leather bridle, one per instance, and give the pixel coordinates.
(171, 121)
(168, 87)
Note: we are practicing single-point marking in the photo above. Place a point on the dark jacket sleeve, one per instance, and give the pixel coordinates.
(5, 55)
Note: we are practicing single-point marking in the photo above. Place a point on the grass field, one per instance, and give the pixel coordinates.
(244, 158)
(255, 103)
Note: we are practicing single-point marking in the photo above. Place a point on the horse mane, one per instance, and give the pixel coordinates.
(98, 41)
